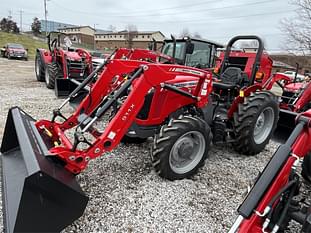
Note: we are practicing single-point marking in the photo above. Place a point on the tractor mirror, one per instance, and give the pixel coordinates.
(189, 48)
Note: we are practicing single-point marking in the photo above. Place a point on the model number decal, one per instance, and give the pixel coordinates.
(128, 112)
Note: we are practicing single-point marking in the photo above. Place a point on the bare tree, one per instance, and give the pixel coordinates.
(298, 29)
(131, 33)
(197, 35)
(8, 25)
(251, 44)
(185, 32)
(112, 28)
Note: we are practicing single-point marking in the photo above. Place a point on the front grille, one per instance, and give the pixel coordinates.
(288, 97)
(76, 69)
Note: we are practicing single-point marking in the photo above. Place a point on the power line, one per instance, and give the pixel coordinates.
(142, 11)
(199, 10)
(203, 20)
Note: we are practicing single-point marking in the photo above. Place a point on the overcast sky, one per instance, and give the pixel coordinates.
(217, 20)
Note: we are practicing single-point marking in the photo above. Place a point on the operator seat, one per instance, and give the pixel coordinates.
(231, 78)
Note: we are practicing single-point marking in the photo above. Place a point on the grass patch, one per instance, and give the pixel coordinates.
(27, 41)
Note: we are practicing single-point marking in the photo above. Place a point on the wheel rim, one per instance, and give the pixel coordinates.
(187, 152)
(47, 76)
(37, 67)
(263, 125)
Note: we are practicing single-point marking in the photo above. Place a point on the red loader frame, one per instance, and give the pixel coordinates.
(147, 76)
(267, 206)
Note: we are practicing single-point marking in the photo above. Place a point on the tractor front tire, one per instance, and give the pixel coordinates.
(39, 68)
(181, 147)
(255, 122)
(52, 71)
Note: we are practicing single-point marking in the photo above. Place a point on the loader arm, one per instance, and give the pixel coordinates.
(94, 106)
(256, 210)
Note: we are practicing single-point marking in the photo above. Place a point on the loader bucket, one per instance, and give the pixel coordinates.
(64, 86)
(38, 195)
(286, 124)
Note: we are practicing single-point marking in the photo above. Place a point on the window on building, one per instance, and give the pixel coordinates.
(115, 36)
(104, 36)
(120, 36)
(148, 36)
(143, 36)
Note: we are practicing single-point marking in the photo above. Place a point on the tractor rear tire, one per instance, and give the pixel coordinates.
(255, 122)
(181, 147)
(39, 68)
(52, 72)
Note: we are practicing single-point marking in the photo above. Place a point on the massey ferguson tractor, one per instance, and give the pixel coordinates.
(172, 103)
(61, 63)
(277, 197)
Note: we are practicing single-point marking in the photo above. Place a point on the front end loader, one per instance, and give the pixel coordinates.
(40, 160)
(277, 197)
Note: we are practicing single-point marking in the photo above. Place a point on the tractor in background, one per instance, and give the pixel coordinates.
(186, 51)
(61, 61)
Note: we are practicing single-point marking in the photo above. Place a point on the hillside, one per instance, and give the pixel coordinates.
(27, 41)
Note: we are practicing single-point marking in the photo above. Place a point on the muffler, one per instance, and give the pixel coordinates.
(38, 194)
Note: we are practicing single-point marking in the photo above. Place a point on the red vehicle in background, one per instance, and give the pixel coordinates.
(13, 50)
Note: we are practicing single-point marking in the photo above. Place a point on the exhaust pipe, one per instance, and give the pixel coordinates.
(38, 194)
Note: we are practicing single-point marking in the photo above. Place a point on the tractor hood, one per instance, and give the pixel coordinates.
(73, 56)
(293, 87)
(16, 50)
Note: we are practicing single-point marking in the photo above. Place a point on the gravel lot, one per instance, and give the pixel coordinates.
(125, 193)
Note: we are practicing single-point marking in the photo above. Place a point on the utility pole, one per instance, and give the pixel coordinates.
(45, 18)
(10, 14)
(95, 36)
(21, 20)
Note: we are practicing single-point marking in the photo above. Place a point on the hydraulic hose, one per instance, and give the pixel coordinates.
(285, 209)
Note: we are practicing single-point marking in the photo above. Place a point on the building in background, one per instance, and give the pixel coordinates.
(80, 34)
(141, 39)
(53, 25)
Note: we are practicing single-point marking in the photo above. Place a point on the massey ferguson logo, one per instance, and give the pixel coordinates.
(128, 112)
(188, 71)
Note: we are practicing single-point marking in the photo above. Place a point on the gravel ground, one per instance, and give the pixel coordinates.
(125, 193)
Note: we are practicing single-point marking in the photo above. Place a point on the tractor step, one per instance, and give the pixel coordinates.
(38, 194)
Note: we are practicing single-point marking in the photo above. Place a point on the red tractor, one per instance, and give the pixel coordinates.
(61, 63)
(276, 198)
(170, 102)
(190, 52)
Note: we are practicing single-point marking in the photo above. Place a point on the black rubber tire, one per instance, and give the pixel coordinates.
(40, 73)
(53, 72)
(306, 168)
(165, 140)
(246, 117)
